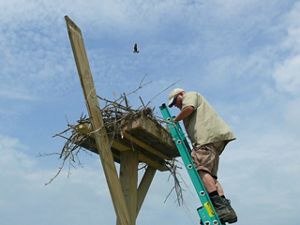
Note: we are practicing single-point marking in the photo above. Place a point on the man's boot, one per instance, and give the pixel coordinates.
(222, 210)
(232, 212)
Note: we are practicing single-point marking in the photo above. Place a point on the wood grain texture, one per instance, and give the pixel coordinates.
(101, 138)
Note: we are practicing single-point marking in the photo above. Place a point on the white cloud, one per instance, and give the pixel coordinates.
(36, 57)
(82, 198)
(22, 181)
(292, 24)
(287, 75)
(16, 93)
(258, 171)
(37, 52)
(291, 116)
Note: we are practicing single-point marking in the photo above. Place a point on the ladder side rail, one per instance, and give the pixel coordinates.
(183, 137)
(193, 173)
(209, 214)
(179, 138)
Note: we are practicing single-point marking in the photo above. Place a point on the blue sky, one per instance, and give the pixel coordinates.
(243, 56)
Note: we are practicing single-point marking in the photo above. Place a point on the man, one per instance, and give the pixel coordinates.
(209, 135)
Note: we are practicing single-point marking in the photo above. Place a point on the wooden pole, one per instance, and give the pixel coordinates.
(100, 135)
(128, 179)
(144, 186)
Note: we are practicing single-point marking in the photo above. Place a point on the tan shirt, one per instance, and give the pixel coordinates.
(204, 125)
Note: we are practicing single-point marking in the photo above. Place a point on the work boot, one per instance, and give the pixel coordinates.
(232, 212)
(222, 210)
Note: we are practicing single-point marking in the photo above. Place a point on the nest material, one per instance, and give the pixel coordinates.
(116, 115)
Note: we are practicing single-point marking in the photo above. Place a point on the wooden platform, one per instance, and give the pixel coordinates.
(144, 135)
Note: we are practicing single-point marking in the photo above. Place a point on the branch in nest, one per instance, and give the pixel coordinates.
(69, 153)
(173, 168)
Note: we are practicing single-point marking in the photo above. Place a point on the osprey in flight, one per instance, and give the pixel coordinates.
(135, 48)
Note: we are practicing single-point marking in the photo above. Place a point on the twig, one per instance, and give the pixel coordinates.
(177, 183)
(57, 173)
(142, 102)
(171, 85)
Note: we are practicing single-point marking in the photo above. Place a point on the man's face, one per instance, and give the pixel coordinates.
(178, 100)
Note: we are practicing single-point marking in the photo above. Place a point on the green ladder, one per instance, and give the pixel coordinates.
(207, 213)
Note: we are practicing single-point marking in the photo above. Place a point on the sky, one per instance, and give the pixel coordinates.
(243, 56)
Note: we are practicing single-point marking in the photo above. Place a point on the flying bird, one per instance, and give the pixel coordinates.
(135, 48)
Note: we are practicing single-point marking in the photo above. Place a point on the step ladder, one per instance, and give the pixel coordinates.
(207, 211)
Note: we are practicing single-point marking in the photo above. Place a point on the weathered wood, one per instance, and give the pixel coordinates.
(146, 146)
(128, 179)
(144, 186)
(119, 147)
(141, 156)
(161, 166)
(101, 138)
(152, 133)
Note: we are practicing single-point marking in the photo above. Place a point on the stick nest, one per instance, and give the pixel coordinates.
(115, 115)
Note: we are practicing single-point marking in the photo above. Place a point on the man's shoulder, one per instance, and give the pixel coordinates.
(191, 98)
(192, 94)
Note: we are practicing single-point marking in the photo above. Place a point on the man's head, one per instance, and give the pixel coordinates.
(175, 97)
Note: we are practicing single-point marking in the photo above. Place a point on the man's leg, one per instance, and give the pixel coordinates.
(227, 202)
(211, 187)
(208, 181)
(219, 188)
(206, 161)
(219, 147)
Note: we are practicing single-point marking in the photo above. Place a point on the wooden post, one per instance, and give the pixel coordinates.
(144, 186)
(128, 179)
(100, 135)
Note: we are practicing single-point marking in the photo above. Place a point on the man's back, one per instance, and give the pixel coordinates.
(204, 125)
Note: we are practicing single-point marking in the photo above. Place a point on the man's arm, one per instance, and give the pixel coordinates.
(184, 113)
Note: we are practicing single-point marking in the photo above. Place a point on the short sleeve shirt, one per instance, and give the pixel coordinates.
(204, 125)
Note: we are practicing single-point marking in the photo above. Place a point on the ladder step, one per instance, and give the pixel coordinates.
(205, 219)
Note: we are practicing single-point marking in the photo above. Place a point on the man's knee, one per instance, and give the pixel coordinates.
(205, 175)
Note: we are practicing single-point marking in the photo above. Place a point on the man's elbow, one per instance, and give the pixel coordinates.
(189, 110)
